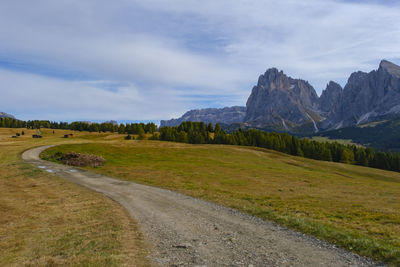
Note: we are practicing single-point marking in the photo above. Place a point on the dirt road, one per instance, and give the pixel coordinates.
(185, 231)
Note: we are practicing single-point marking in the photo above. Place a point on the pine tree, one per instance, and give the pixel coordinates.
(361, 157)
(141, 133)
(217, 127)
(182, 137)
(121, 128)
(296, 149)
(346, 156)
(210, 127)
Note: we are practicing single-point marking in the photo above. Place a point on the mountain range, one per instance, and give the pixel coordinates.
(6, 115)
(227, 115)
(282, 103)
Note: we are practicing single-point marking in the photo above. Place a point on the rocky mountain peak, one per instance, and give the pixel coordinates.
(356, 77)
(330, 97)
(368, 96)
(333, 86)
(390, 67)
(280, 99)
(273, 79)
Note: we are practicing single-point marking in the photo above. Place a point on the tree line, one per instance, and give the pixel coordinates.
(128, 128)
(200, 133)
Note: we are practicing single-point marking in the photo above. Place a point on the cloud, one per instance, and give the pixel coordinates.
(55, 99)
(315, 40)
(156, 58)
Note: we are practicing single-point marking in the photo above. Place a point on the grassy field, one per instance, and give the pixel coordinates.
(340, 141)
(46, 221)
(354, 207)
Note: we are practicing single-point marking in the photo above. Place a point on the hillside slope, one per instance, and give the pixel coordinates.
(351, 206)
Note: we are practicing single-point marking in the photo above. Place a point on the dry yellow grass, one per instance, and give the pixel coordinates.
(46, 221)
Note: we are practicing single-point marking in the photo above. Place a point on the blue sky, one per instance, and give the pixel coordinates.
(153, 59)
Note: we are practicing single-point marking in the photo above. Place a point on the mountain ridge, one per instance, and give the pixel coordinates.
(367, 96)
(6, 115)
(293, 104)
(226, 115)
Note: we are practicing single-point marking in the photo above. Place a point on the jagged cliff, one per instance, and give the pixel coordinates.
(366, 97)
(279, 99)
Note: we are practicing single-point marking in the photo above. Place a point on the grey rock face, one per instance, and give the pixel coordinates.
(368, 95)
(6, 115)
(227, 115)
(279, 99)
(391, 68)
(330, 98)
(330, 102)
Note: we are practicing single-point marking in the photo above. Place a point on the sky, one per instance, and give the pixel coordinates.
(92, 60)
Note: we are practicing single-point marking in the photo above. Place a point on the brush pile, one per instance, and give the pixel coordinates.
(81, 160)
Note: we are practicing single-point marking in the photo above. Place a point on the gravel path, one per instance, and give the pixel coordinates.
(185, 231)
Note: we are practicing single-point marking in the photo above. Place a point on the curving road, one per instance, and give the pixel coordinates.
(185, 231)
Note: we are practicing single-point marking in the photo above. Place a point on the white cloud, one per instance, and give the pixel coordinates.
(167, 53)
(35, 96)
(316, 40)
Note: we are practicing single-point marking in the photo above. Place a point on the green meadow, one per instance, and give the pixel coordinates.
(355, 207)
